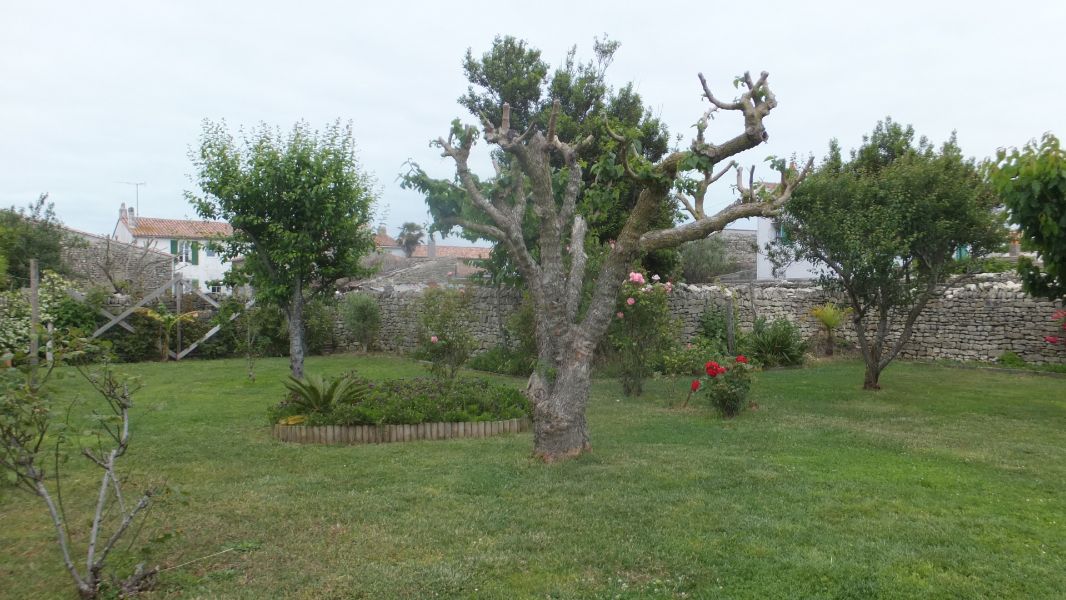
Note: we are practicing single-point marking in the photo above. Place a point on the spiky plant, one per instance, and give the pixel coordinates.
(830, 316)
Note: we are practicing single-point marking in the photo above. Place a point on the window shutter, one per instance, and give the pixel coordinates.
(196, 253)
(174, 247)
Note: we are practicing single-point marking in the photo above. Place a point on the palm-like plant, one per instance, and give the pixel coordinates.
(315, 394)
(411, 235)
(167, 322)
(830, 316)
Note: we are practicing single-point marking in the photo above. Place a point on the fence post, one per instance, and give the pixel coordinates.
(35, 316)
(179, 290)
(730, 336)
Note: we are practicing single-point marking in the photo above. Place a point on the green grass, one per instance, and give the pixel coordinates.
(948, 483)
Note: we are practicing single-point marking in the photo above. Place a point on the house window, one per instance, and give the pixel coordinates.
(185, 252)
(209, 251)
(215, 287)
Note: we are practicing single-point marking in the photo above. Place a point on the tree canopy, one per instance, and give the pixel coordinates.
(1032, 183)
(410, 237)
(30, 232)
(300, 206)
(514, 73)
(885, 226)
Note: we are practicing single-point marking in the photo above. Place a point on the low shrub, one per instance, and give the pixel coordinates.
(777, 344)
(443, 337)
(688, 359)
(517, 354)
(411, 401)
(504, 361)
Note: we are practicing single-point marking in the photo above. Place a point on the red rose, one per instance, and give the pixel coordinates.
(1051, 339)
(712, 368)
(695, 384)
(742, 359)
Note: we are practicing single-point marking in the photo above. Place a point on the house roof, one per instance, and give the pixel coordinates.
(384, 240)
(464, 252)
(150, 227)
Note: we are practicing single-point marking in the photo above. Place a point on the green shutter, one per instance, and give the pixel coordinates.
(174, 247)
(196, 253)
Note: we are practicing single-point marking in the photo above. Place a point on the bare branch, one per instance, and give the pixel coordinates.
(480, 228)
(736, 105)
(701, 228)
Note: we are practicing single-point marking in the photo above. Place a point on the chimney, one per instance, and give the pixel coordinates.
(431, 251)
(122, 212)
(381, 230)
(132, 218)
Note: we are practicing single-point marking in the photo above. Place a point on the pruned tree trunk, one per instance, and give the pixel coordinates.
(296, 332)
(560, 430)
(555, 270)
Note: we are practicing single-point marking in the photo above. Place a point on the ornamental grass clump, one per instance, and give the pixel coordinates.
(726, 387)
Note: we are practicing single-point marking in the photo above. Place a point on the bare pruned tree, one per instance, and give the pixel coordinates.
(544, 170)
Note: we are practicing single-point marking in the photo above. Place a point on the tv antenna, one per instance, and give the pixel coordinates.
(137, 193)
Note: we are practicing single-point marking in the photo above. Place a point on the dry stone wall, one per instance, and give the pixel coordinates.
(979, 320)
(489, 311)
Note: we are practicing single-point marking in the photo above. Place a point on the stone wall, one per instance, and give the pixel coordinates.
(101, 261)
(975, 321)
(489, 310)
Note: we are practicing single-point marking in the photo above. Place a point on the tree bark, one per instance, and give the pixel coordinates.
(560, 430)
(296, 332)
(873, 375)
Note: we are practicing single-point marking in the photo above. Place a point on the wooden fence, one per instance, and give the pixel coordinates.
(380, 434)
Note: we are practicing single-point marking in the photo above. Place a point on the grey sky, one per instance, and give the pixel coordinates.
(94, 93)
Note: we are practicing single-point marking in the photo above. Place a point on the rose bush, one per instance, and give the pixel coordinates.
(726, 387)
(643, 330)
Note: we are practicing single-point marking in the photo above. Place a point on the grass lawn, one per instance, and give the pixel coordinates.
(949, 483)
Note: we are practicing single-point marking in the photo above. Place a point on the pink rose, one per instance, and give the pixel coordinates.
(636, 278)
(433, 339)
(620, 315)
(630, 301)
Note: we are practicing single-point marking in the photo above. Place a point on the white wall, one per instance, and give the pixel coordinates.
(766, 233)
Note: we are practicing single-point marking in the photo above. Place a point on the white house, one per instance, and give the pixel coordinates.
(770, 230)
(187, 241)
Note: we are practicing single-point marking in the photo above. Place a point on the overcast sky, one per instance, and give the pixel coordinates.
(97, 93)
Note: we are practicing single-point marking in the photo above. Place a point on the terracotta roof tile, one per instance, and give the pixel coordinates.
(467, 252)
(384, 240)
(179, 228)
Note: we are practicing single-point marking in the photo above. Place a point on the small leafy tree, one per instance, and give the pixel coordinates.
(411, 235)
(704, 260)
(300, 206)
(1032, 183)
(362, 317)
(884, 227)
(31, 232)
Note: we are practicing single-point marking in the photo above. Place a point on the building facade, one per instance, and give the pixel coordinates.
(189, 242)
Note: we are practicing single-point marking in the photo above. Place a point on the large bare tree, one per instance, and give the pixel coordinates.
(538, 170)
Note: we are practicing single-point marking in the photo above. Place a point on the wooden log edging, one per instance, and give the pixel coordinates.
(383, 434)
